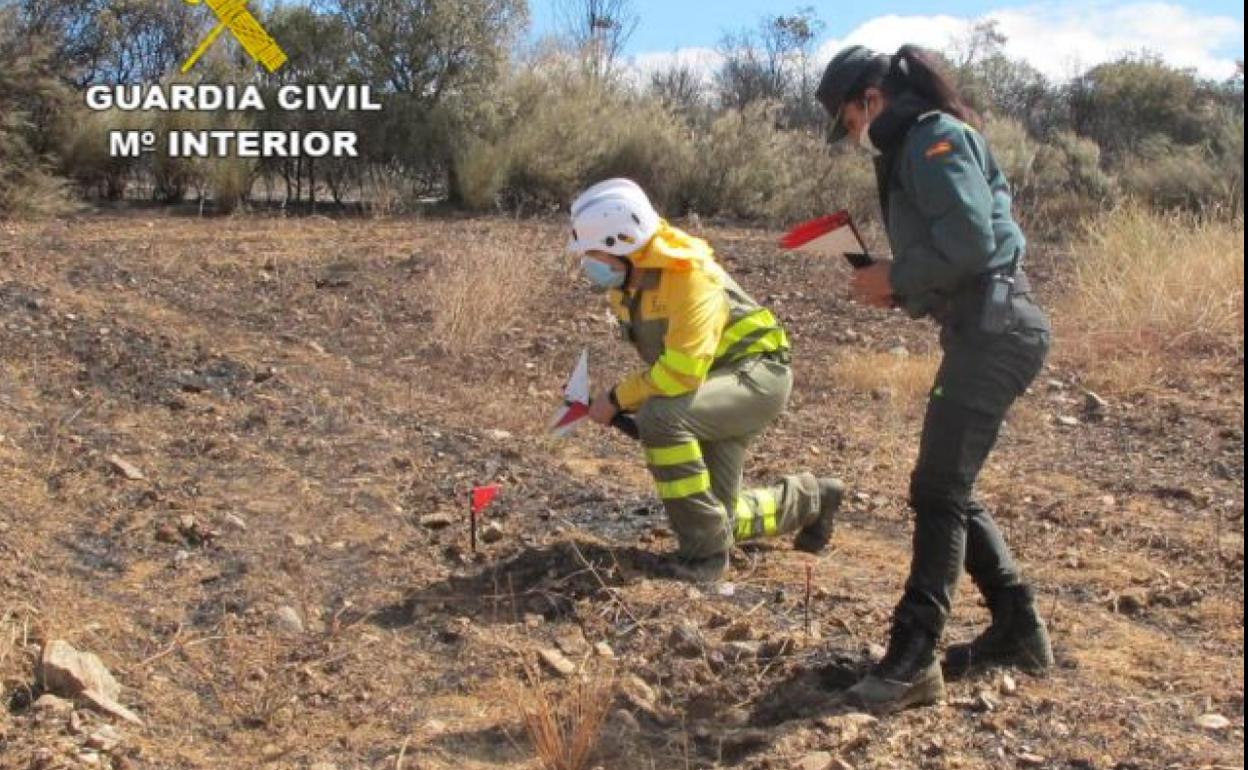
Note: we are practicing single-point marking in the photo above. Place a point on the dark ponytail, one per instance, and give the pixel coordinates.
(921, 72)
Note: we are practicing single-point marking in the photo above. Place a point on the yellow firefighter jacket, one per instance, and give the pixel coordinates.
(687, 318)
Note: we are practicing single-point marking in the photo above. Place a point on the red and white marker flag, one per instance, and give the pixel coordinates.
(834, 235)
(575, 398)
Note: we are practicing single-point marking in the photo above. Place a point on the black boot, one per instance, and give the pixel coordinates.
(1017, 637)
(814, 537)
(909, 675)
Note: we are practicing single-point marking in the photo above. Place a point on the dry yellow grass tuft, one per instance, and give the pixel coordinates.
(1148, 286)
(485, 287)
(564, 725)
(908, 377)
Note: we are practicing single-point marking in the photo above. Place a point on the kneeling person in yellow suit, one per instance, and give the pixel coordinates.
(717, 374)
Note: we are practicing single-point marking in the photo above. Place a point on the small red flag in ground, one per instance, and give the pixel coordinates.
(483, 496)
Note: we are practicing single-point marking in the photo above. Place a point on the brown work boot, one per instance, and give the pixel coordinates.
(814, 537)
(1017, 637)
(909, 675)
(708, 569)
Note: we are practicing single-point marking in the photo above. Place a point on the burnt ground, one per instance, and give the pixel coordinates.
(307, 426)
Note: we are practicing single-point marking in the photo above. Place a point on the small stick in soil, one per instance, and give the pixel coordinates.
(472, 523)
(808, 575)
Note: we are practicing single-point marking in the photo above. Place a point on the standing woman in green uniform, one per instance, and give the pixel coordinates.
(957, 258)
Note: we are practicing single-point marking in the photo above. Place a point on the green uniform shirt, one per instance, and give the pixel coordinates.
(948, 213)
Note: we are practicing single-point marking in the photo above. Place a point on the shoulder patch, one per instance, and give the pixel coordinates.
(943, 147)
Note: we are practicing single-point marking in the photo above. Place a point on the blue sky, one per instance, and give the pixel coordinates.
(1058, 37)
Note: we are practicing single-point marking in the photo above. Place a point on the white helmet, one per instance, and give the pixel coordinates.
(614, 216)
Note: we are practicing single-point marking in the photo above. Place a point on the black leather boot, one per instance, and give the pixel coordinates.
(1017, 637)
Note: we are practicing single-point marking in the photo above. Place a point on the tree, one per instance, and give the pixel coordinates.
(28, 87)
(1121, 104)
(772, 63)
(682, 87)
(114, 41)
(993, 83)
(598, 30)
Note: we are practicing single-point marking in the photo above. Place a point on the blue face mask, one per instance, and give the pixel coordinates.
(601, 275)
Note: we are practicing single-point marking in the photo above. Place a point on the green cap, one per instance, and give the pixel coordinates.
(843, 73)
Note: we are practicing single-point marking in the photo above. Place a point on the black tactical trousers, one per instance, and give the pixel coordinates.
(980, 377)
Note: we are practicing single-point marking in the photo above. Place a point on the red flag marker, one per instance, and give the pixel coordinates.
(480, 498)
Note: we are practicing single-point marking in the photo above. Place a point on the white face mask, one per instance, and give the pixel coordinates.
(864, 135)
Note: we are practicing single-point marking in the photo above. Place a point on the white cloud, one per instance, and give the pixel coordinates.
(1060, 41)
(700, 60)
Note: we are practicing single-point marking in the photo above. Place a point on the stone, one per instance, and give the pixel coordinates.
(1027, 759)
(736, 652)
(1067, 421)
(741, 631)
(1008, 685)
(124, 467)
(110, 706)
(492, 532)
(816, 760)
(571, 641)
(105, 739)
(236, 521)
(686, 640)
(1213, 722)
(1094, 406)
(68, 672)
(556, 662)
(494, 434)
(637, 692)
(51, 704)
(288, 620)
(436, 521)
(298, 540)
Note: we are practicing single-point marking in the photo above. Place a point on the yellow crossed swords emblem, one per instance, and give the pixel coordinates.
(250, 34)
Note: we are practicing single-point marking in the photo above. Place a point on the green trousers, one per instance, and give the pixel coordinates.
(695, 448)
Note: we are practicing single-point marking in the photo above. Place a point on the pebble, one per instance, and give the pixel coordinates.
(105, 739)
(1213, 722)
(492, 532)
(556, 662)
(817, 760)
(1008, 685)
(288, 620)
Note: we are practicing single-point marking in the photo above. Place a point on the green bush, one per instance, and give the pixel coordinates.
(1171, 176)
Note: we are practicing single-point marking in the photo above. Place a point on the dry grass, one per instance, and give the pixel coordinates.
(1151, 286)
(907, 377)
(482, 288)
(564, 725)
